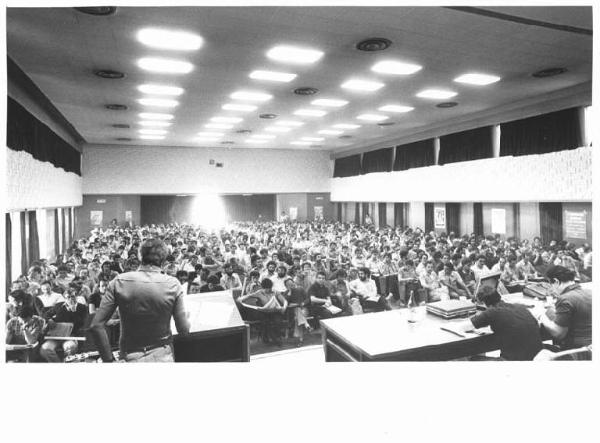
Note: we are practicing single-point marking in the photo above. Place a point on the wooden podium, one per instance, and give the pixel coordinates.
(217, 331)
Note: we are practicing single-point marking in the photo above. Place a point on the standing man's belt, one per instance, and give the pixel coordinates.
(147, 348)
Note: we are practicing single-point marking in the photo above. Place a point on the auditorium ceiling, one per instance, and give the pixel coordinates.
(220, 100)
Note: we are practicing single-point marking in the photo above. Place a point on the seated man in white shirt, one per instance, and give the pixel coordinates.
(279, 279)
(365, 289)
(230, 280)
(479, 268)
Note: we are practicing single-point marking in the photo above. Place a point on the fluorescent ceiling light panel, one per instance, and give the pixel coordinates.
(155, 124)
(474, 78)
(330, 132)
(436, 94)
(346, 126)
(294, 54)
(252, 96)
(238, 107)
(158, 102)
(278, 129)
(210, 134)
(165, 65)
(310, 112)
(218, 126)
(264, 136)
(160, 89)
(168, 39)
(329, 102)
(226, 119)
(372, 117)
(362, 85)
(395, 108)
(152, 137)
(301, 143)
(395, 67)
(155, 116)
(152, 131)
(272, 76)
(289, 123)
(312, 139)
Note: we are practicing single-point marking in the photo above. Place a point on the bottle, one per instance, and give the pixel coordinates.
(412, 307)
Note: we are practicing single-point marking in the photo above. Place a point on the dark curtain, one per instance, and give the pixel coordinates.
(429, 218)
(347, 166)
(8, 233)
(453, 218)
(414, 155)
(24, 263)
(517, 219)
(34, 239)
(339, 212)
(478, 218)
(26, 133)
(357, 213)
(251, 207)
(551, 132)
(382, 212)
(56, 234)
(551, 222)
(365, 211)
(464, 146)
(63, 230)
(400, 215)
(377, 161)
(70, 213)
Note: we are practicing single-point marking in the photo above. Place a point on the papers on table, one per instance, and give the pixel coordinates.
(211, 314)
(333, 309)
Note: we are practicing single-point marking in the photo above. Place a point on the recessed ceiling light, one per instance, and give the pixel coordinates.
(346, 126)
(306, 90)
(395, 67)
(301, 143)
(268, 116)
(210, 134)
(167, 39)
(264, 136)
(474, 78)
(447, 105)
(152, 137)
(155, 116)
(156, 124)
(226, 119)
(436, 94)
(97, 10)
(158, 102)
(228, 142)
(395, 108)
(272, 76)
(330, 132)
(312, 139)
(160, 89)
(115, 107)
(238, 107)
(294, 54)
(386, 124)
(255, 141)
(121, 125)
(372, 117)
(152, 131)
(362, 85)
(253, 96)
(218, 126)
(289, 123)
(109, 73)
(373, 44)
(243, 131)
(329, 102)
(165, 65)
(123, 139)
(549, 72)
(310, 112)
(345, 136)
(277, 129)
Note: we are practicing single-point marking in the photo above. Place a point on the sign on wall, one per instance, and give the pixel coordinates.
(575, 223)
(293, 213)
(129, 217)
(498, 221)
(439, 218)
(318, 212)
(96, 218)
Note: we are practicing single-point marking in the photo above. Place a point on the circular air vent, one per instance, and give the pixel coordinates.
(98, 10)
(306, 91)
(227, 142)
(374, 44)
(345, 136)
(447, 105)
(123, 139)
(268, 116)
(108, 73)
(550, 72)
(386, 124)
(121, 126)
(243, 131)
(115, 107)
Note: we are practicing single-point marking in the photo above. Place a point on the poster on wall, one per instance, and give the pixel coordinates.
(575, 223)
(129, 217)
(293, 213)
(498, 221)
(96, 218)
(439, 218)
(318, 212)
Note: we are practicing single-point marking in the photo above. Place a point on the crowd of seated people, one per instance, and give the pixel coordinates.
(281, 271)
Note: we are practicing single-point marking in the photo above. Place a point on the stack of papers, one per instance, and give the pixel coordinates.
(452, 308)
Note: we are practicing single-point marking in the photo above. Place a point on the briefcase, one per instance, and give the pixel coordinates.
(537, 290)
(451, 308)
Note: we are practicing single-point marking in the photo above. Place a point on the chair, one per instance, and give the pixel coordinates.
(583, 353)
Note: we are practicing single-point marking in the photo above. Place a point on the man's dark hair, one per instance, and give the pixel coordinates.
(489, 296)
(449, 265)
(213, 280)
(254, 274)
(181, 274)
(154, 252)
(271, 262)
(366, 271)
(322, 273)
(25, 311)
(341, 273)
(266, 283)
(560, 273)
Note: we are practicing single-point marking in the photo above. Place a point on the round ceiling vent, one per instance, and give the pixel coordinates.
(386, 124)
(345, 136)
(268, 116)
(550, 72)
(123, 139)
(98, 10)
(447, 105)
(243, 131)
(227, 142)
(115, 107)
(121, 126)
(109, 73)
(373, 44)
(306, 90)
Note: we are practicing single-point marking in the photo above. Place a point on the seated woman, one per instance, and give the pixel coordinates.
(25, 329)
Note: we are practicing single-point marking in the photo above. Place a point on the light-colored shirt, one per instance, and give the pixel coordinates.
(366, 289)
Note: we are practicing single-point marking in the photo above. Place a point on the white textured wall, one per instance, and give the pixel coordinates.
(557, 176)
(32, 184)
(178, 170)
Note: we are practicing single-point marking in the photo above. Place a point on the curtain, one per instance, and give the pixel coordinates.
(347, 166)
(551, 222)
(478, 218)
(8, 233)
(377, 161)
(414, 155)
(453, 218)
(34, 239)
(545, 133)
(56, 234)
(400, 215)
(357, 213)
(464, 146)
(24, 263)
(63, 230)
(382, 212)
(339, 212)
(429, 217)
(365, 211)
(517, 219)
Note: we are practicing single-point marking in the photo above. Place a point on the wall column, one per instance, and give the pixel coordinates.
(496, 141)
(436, 150)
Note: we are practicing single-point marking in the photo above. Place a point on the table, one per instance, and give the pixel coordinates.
(217, 331)
(389, 336)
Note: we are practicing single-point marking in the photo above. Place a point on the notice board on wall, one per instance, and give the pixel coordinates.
(96, 218)
(575, 223)
(498, 221)
(293, 212)
(439, 218)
